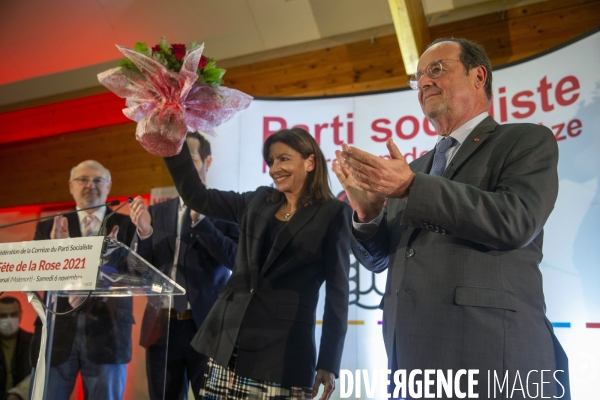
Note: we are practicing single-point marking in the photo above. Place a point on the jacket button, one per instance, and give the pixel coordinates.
(409, 253)
(252, 291)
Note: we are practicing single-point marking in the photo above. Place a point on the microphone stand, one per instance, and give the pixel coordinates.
(102, 231)
(110, 203)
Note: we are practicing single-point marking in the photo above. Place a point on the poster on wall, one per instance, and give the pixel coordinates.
(548, 89)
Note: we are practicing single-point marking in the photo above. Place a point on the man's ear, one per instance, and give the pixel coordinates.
(480, 75)
(207, 162)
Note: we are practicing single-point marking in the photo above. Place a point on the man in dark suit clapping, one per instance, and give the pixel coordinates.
(461, 235)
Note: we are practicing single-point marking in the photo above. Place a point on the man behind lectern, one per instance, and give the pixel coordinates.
(96, 339)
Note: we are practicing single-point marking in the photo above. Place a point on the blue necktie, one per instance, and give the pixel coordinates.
(439, 158)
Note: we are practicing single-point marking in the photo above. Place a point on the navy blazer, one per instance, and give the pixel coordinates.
(207, 254)
(269, 310)
(108, 320)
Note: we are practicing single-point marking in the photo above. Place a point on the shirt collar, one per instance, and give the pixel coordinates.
(99, 213)
(461, 133)
(182, 205)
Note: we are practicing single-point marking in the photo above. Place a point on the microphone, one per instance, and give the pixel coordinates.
(110, 203)
(102, 231)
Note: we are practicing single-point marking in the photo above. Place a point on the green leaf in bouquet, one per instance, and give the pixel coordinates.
(173, 64)
(160, 57)
(213, 76)
(163, 45)
(141, 47)
(127, 63)
(210, 64)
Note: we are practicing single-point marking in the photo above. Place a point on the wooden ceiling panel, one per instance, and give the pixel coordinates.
(336, 17)
(284, 23)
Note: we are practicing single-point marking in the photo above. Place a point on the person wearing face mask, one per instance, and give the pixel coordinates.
(15, 365)
(294, 238)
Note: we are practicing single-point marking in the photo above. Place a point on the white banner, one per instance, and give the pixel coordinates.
(59, 264)
(560, 89)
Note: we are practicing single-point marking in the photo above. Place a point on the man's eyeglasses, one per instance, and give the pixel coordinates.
(434, 70)
(84, 180)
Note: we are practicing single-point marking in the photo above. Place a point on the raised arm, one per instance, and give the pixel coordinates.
(228, 206)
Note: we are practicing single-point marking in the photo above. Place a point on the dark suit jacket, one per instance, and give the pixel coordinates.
(464, 289)
(209, 249)
(20, 363)
(271, 309)
(108, 320)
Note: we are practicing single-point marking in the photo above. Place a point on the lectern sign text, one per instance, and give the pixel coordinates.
(60, 264)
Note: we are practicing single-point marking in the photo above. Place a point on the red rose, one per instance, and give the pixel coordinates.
(155, 49)
(203, 61)
(178, 51)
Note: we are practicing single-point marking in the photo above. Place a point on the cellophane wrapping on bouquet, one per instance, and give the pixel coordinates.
(166, 105)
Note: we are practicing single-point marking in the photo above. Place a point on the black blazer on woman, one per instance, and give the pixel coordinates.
(270, 309)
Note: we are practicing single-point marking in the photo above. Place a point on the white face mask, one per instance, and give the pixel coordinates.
(9, 326)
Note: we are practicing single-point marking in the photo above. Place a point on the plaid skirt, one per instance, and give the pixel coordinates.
(224, 384)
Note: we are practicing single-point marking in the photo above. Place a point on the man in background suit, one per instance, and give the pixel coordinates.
(197, 253)
(461, 238)
(96, 339)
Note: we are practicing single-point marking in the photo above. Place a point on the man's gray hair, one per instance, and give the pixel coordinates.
(93, 165)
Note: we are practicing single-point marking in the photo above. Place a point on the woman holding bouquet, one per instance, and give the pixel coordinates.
(260, 332)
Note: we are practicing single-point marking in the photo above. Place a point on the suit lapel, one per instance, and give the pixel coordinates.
(261, 222)
(299, 219)
(423, 164)
(74, 227)
(168, 222)
(470, 145)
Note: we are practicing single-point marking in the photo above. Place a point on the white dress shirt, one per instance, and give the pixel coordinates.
(96, 223)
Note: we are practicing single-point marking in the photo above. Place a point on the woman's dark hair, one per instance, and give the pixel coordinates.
(316, 186)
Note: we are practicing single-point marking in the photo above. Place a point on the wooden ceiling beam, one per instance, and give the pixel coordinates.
(411, 29)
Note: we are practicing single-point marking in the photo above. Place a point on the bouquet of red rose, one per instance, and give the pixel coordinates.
(169, 92)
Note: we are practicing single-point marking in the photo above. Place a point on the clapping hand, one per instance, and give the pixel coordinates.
(140, 217)
(390, 178)
(367, 205)
(60, 228)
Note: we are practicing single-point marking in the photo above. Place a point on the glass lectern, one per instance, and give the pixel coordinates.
(98, 324)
